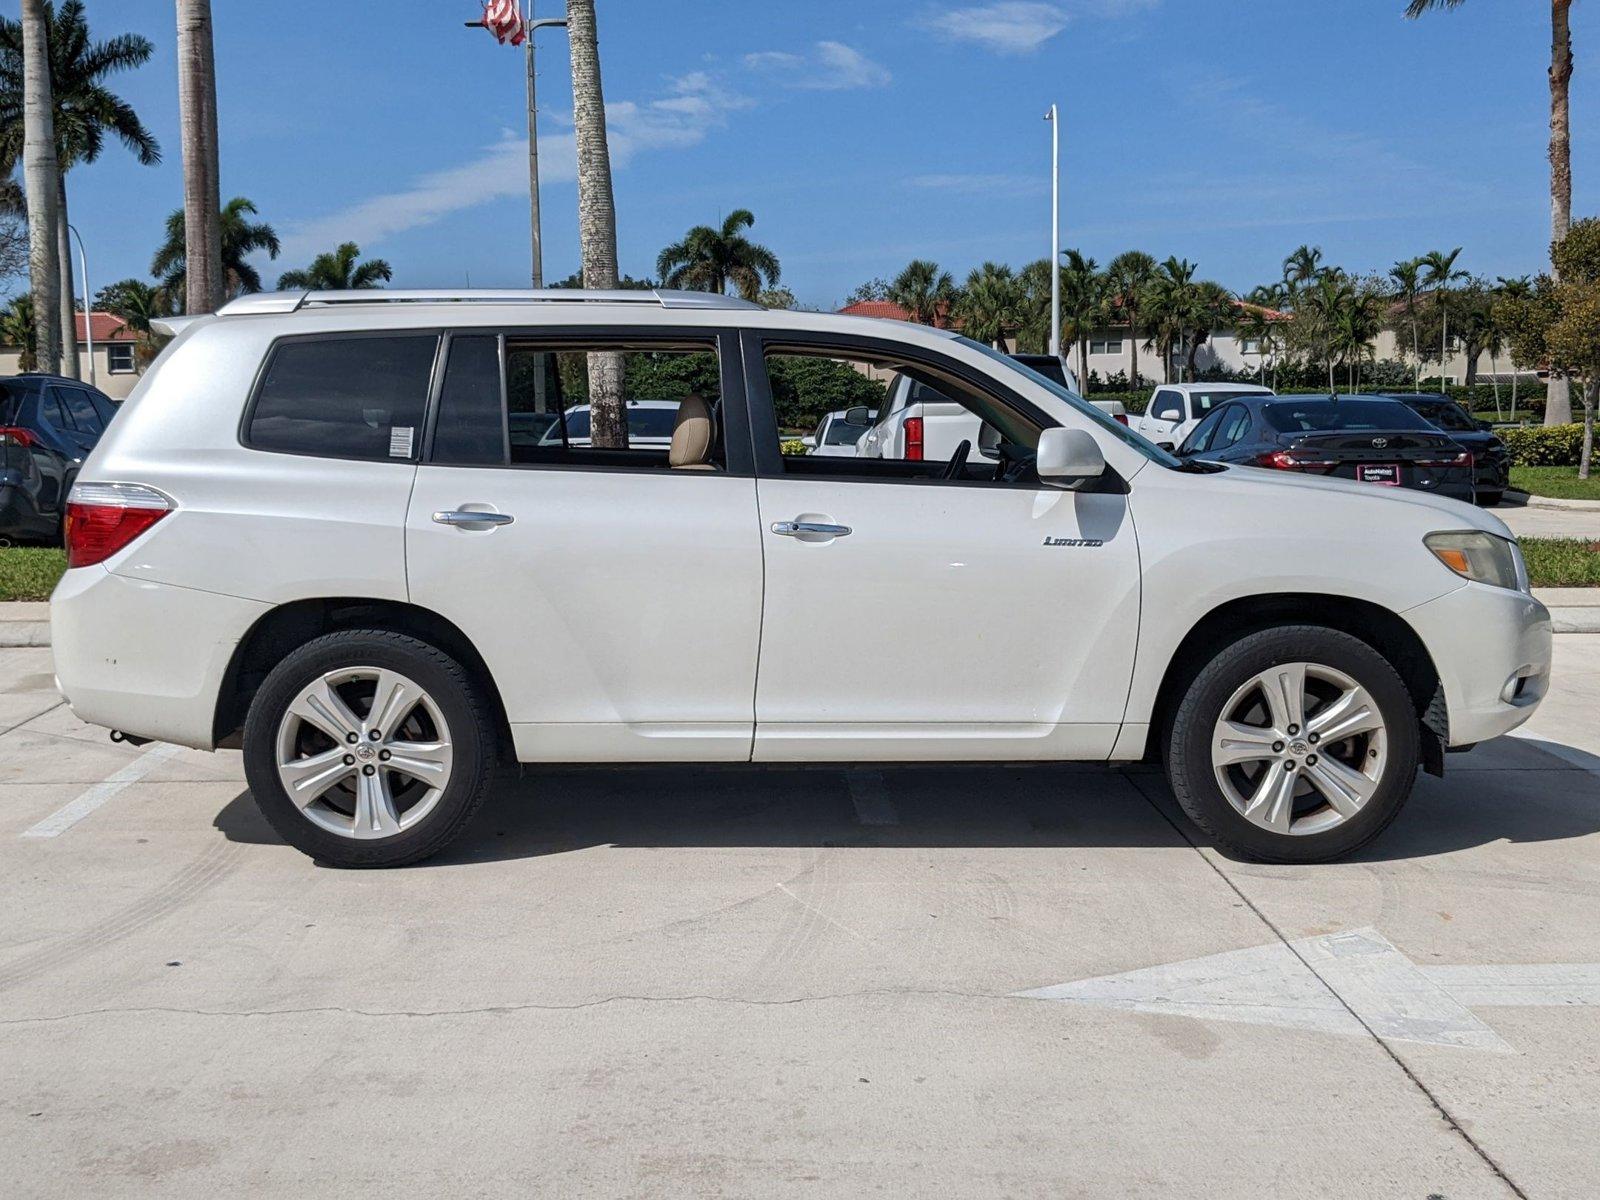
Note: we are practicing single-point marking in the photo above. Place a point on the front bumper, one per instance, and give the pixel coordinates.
(145, 658)
(1491, 647)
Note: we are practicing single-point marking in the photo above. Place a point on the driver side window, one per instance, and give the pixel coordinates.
(1200, 440)
(898, 420)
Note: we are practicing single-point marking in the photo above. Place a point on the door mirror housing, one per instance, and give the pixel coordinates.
(809, 441)
(1171, 449)
(858, 414)
(988, 441)
(1068, 458)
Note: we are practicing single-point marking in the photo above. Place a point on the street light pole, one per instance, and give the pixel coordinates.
(529, 25)
(1054, 117)
(88, 300)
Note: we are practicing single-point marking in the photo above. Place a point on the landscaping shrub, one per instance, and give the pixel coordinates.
(1543, 445)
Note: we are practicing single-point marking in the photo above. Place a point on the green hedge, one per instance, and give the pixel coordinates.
(1543, 445)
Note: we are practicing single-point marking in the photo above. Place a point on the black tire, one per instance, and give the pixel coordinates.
(1188, 743)
(468, 715)
(1490, 499)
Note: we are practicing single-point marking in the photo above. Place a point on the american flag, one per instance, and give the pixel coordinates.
(503, 18)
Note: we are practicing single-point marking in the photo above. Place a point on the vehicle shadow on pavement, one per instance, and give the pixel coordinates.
(1516, 792)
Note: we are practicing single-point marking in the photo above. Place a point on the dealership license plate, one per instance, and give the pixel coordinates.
(1384, 473)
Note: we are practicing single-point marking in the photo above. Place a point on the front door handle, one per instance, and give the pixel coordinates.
(463, 518)
(800, 528)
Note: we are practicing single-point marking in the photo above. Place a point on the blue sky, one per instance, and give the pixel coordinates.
(865, 134)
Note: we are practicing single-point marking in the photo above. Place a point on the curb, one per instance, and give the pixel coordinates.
(1575, 620)
(17, 634)
(1524, 500)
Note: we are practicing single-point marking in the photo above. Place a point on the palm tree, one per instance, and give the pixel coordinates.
(1082, 300)
(1357, 317)
(204, 280)
(41, 173)
(1303, 266)
(708, 259)
(924, 291)
(338, 271)
(1171, 302)
(84, 110)
(241, 238)
(1407, 276)
(1127, 277)
(17, 328)
(988, 307)
(597, 214)
(1330, 325)
(1441, 273)
(1558, 405)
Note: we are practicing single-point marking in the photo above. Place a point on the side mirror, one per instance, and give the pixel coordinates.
(809, 441)
(858, 414)
(989, 441)
(1068, 458)
(1486, 426)
(1168, 447)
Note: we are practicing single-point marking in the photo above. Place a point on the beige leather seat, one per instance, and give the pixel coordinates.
(694, 433)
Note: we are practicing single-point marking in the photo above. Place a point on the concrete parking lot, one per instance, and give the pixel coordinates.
(823, 982)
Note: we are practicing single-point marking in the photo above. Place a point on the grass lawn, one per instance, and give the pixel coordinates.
(30, 572)
(1560, 482)
(1562, 562)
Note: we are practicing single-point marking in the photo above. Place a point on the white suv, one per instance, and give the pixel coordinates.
(311, 533)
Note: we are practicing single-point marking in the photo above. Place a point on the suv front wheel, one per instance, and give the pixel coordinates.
(1294, 744)
(366, 748)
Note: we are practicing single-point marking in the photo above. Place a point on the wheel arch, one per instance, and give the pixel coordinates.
(284, 629)
(1384, 630)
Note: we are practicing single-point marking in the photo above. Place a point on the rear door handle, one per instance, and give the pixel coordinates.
(799, 528)
(463, 518)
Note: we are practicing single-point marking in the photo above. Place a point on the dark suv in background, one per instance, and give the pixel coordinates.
(1491, 460)
(48, 425)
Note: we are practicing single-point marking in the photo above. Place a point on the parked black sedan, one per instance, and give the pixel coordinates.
(1371, 439)
(1489, 455)
(48, 425)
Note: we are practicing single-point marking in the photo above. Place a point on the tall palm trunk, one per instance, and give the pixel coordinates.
(40, 173)
(1133, 349)
(1558, 405)
(1416, 353)
(597, 215)
(202, 194)
(68, 305)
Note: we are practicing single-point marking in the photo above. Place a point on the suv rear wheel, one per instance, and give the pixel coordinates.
(369, 749)
(1295, 744)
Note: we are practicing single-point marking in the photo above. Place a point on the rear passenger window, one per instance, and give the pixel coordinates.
(82, 410)
(345, 397)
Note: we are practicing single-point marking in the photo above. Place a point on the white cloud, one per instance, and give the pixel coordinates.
(831, 67)
(978, 184)
(694, 105)
(1022, 26)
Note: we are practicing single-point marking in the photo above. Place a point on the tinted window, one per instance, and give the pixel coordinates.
(842, 434)
(53, 412)
(1447, 416)
(1045, 365)
(82, 411)
(1167, 407)
(469, 429)
(353, 397)
(1200, 439)
(1235, 424)
(104, 405)
(1204, 402)
(1313, 416)
(10, 402)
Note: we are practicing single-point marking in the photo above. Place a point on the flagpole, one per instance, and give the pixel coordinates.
(533, 155)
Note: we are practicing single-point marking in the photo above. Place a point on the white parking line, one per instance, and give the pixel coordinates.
(867, 793)
(65, 817)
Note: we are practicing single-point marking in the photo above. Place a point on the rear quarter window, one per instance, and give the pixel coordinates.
(344, 397)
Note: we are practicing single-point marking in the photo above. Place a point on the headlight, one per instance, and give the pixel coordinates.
(1480, 557)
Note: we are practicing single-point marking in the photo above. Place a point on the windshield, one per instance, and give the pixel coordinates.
(1107, 424)
(1448, 415)
(1204, 402)
(1319, 416)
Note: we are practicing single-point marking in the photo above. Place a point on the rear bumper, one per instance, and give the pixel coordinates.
(1491, 648)
(145, 658)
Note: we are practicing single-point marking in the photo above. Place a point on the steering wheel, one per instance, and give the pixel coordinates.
(957, 465)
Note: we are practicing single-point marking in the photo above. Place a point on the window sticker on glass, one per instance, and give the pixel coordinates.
(400, 439)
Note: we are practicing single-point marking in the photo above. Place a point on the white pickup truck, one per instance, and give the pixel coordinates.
(918, 423)
(1176, 408)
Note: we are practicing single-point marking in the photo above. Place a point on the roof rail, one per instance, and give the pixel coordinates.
(288, 302)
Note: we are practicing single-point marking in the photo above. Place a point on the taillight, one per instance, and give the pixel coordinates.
(1464, 459)
(102, 518)
(1121, 418)
(914, 439)
(15, 435)
(1288, 460)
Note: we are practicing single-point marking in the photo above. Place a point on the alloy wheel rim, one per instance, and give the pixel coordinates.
(363, 752)
(1299, 748)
